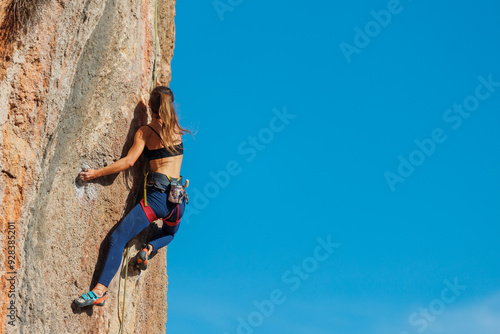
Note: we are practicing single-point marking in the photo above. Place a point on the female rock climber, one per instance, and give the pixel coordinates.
(161, 141)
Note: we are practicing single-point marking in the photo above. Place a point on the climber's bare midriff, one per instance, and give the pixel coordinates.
(169, 166)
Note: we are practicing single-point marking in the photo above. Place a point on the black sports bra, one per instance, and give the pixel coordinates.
(161, 153)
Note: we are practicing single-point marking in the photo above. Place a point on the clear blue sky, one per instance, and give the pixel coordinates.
(372, 126)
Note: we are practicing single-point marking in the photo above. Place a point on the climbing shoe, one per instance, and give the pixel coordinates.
(90, 298)
(142, 259)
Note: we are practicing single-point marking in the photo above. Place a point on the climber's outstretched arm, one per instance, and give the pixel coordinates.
(122, 164)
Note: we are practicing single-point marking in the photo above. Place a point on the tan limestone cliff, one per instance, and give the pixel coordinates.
(70, 84)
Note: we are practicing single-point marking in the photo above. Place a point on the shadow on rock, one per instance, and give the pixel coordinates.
(89, 310)
(134, 196)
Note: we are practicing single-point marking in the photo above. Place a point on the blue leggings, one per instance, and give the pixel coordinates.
(135, 222)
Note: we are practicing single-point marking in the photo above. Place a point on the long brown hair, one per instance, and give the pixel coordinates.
(162, 104)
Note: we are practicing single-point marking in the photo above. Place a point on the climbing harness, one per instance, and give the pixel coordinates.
(177, 190)
(176, 196)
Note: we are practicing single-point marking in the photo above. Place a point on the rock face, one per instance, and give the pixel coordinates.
(71, 78)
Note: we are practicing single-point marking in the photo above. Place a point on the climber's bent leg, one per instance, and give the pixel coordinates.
(170, 226)
(132, 224)
(163, 237)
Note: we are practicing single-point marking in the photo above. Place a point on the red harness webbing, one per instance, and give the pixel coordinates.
(152, 216)
(149, 212)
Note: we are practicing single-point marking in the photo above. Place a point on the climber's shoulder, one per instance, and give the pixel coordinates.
(143, 131)
(141, 134)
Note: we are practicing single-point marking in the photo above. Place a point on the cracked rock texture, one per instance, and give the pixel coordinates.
(70, 84)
